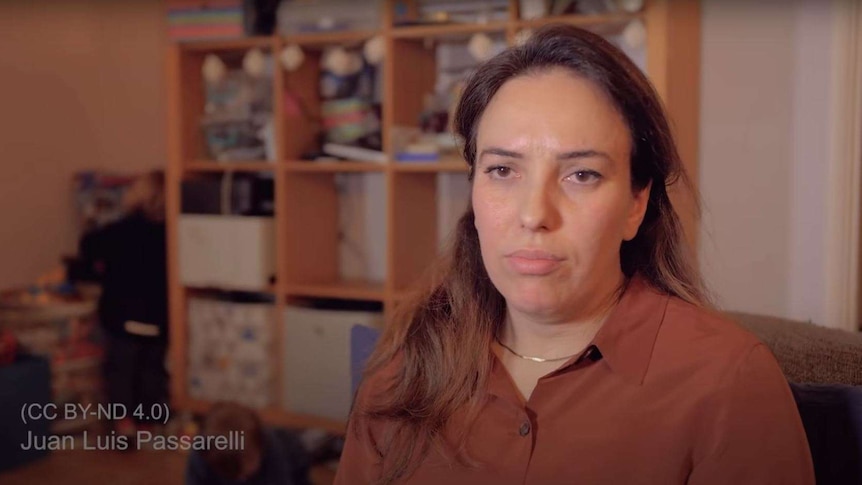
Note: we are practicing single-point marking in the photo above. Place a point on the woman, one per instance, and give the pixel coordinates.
(568, 339)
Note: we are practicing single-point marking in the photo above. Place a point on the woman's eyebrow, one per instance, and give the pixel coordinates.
(571, 155)
(576, 154)
(500, 152)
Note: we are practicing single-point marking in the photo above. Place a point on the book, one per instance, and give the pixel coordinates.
(416, 157)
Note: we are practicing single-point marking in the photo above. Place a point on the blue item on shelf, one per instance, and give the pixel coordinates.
(416, 157)
(362, 341)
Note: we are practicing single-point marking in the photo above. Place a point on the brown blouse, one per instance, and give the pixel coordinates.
(667, 394)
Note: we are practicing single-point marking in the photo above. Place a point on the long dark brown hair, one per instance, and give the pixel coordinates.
(439, 345)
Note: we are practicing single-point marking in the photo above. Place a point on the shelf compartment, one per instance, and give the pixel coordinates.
(335, 226)
(426, 208)
(301, 106)
(193, 98)
(422, 108)
(414, 233)
(318, 337)
(308, 92)
(311, 223)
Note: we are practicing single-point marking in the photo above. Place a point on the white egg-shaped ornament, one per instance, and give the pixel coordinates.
(480, 47)
(374, 50)
(630, 6)
(213, 69)
(634, 35)
(523, 36)
(254, 63)
(291, 57)
(340, 62)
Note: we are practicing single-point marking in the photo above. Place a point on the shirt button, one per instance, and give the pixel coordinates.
(525, 429)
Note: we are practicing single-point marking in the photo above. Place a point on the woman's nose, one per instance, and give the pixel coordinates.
(539, 207)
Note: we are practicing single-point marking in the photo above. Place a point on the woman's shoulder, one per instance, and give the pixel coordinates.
(706, 339)
(712, 359)
(739, 401)
(706, 325)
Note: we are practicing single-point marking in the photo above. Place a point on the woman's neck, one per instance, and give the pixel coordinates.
(559, 335)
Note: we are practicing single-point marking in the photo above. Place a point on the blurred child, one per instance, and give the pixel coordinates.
(270, 456)
(129, 257)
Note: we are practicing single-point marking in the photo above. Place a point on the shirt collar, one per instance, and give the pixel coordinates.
(625, 342)
(627, 338)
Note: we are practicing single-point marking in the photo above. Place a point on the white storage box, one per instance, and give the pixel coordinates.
(317, 359)
(232, 252)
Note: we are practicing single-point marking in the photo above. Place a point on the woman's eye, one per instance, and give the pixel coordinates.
(499, 171)
(585, 176)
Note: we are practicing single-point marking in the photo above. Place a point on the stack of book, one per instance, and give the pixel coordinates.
(204, 19)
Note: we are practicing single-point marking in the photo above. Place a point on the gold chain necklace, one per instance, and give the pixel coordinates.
(533, 359)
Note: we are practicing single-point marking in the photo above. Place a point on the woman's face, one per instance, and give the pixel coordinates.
(552, 194)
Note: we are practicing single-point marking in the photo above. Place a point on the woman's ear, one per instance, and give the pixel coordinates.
(640, 201)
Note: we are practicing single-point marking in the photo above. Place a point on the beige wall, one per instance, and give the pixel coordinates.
(81, 86)
(765, 125)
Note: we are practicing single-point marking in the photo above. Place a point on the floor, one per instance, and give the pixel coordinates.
(74, 467)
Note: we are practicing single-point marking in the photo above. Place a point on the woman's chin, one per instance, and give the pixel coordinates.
(534, 303)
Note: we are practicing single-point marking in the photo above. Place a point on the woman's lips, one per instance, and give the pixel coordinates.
(534, 262)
